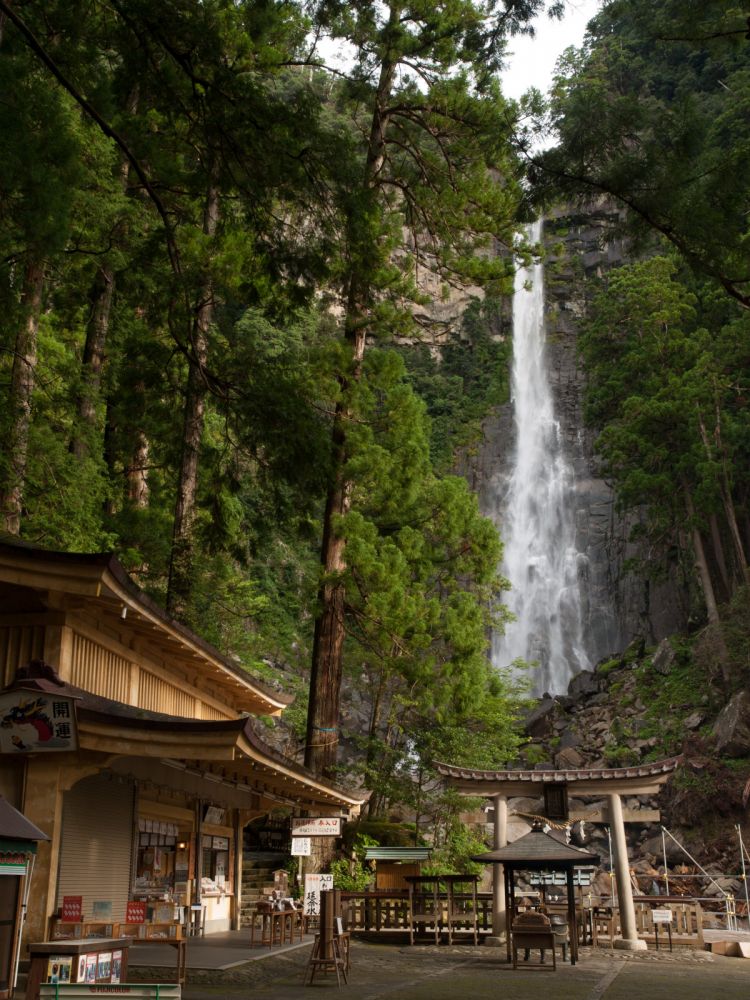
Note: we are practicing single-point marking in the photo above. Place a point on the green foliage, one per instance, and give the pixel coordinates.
(621, 756)
(652, 110)
(534, 753)
(380, 833)
(670, 699)
(352, 874)
(606, 668)
(243, 188)
(672, 430)
(454, 845)
(464, 382)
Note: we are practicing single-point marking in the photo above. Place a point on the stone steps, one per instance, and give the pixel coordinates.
(257, 875)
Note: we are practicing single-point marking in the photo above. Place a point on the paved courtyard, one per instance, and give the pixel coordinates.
(397, 972)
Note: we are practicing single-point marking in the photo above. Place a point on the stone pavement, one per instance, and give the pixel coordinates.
(389, 971)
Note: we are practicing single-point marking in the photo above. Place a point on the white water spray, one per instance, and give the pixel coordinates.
(541, 559)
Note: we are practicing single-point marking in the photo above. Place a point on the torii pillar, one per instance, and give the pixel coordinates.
(629, 940)
(500, 839)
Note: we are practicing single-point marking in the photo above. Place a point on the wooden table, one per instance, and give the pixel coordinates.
(278, 925)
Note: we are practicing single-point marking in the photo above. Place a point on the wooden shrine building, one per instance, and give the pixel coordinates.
(132, 744)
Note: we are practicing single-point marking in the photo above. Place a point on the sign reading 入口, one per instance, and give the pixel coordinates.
(32, 721)
(316, 826)
(314, 885)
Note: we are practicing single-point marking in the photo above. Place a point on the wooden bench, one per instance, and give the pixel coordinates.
(533, 930)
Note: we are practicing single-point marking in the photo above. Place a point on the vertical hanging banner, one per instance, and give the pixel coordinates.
(32, 721)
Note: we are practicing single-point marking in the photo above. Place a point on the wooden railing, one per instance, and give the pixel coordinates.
(388, 910)
(686, 923)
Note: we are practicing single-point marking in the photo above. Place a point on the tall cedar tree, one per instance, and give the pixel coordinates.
(423, 209)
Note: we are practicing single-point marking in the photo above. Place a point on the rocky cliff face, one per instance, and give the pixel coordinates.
(618, 604)
(649, 705)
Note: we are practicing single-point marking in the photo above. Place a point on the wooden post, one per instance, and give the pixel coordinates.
(572, 923)
(330, 908)
(511, 911)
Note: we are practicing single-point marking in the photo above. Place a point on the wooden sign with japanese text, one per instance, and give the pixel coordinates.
(316, 826)
(314, 885)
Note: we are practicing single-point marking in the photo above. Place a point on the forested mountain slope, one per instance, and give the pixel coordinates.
(211, 246)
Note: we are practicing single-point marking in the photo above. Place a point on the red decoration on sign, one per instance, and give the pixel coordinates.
(72, 908)
(135, 913)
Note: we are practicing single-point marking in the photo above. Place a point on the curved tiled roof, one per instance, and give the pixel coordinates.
(655, 769)
(539, 849)
(246, 748)
(101, 576)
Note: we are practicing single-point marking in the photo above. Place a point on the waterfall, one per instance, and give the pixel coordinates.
(541, 559)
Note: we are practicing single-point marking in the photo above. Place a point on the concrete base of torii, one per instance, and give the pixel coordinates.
(495, 941)
(623, 944)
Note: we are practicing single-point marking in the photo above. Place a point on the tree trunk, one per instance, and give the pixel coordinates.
(729, 509)
(712, 610)
(718, 547)
(20, 400)
(138, 488)
(330, 626)
(97, 329)
(92, 365)
(701, 563)
(181, 557)
(725, 490)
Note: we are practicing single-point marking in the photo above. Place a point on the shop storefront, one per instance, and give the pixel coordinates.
(18, 846)
(132, 745)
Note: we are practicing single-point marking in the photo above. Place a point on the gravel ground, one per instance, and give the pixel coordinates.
(393, 972)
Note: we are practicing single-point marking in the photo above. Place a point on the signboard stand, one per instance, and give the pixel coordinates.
(662, 917)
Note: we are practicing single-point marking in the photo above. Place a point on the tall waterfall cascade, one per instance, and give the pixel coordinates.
(546, 570)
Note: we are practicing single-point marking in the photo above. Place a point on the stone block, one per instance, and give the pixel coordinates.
(732, 727)
(728, 948)
(569, 759)
(664, 658)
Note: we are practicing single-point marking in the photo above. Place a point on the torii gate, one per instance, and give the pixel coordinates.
(645, 779)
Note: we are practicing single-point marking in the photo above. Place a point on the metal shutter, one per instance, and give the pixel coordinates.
(96, 847)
